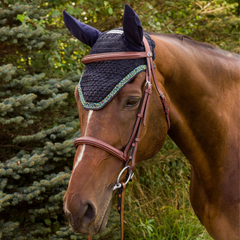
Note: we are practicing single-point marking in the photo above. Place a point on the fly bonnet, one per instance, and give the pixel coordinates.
(102, 80)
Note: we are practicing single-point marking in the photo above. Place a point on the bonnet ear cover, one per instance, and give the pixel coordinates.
(101, 81)
(85, 33)
(133, 30)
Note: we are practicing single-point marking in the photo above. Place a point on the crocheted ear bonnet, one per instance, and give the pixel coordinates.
(101, 81)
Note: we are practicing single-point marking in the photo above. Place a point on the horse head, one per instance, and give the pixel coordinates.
(109, 96)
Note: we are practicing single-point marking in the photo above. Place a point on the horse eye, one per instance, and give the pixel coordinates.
(132, 102)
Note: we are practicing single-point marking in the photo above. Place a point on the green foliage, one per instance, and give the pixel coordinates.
(38, 121)
(146, 228)
(215, 22)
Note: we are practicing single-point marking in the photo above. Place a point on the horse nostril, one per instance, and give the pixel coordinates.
(90, 213)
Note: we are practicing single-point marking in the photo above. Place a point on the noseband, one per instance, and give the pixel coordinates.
(128, 159)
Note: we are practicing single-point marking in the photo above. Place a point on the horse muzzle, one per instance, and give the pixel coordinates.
(84, 216)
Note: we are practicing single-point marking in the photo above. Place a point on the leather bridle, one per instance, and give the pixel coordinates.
(132, 145)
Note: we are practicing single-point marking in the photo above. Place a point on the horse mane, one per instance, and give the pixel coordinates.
(190, 41)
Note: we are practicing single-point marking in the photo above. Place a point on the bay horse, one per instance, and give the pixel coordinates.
(201, 84)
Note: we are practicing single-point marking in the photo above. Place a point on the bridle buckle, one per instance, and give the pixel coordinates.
(148, 83)
(149, 54)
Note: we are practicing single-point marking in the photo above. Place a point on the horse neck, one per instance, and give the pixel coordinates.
(202, 87)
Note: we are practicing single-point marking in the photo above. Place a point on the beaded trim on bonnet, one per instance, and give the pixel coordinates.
(101, 81)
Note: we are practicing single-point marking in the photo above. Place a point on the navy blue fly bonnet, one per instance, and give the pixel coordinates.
(101, 81)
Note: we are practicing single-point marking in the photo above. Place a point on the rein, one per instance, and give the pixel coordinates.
(132, 145)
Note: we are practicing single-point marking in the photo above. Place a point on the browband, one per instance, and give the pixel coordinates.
(113, 56)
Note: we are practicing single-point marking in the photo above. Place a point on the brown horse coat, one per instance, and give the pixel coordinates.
(203, 92)
(201, 84)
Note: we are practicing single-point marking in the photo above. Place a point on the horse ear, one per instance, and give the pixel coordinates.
(133, 30)
(85, 33)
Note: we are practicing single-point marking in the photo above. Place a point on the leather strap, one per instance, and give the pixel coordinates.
(162, 97)
(100, 144)
(135, 137)
(120, 207)
(113, 56)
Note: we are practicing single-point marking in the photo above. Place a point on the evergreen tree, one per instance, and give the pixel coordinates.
(38, 122)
